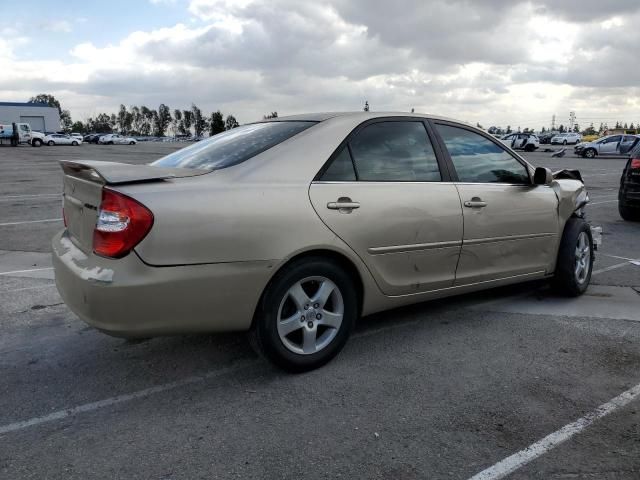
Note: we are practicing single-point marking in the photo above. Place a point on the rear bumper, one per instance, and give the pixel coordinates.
(128, 298)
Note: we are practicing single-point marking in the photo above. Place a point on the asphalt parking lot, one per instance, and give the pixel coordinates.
(446, 389)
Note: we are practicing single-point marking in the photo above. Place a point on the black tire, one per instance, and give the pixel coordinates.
(110, 143)
(36, 143)
(564, 142)
(629, 214)
(589, 153)
(132, 143)
(264, 334)
(75, 144)
(51, 143)
(565, 280)
(529, 147)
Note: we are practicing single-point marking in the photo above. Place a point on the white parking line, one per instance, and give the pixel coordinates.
(107, 402)
(612, 267)
(38, 195)
(521, 458)
(590, 204)
(30, 221)
(39, 287)
(30, 270)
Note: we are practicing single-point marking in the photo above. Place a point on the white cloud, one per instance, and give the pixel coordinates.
(489, 61)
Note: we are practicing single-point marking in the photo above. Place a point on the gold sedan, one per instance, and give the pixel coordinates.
(293, 228)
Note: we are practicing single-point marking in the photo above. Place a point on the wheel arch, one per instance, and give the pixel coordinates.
(337, 256)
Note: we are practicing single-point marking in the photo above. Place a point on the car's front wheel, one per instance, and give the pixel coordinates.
(36, 142)
(75, 144)
(132, 143)
(589, 153)
(575, 258)
(51, 143)
(306, 314)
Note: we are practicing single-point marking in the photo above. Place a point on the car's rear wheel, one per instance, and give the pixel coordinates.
(575, 258)
(589, 153)
(628, 213)
(306, 314)
(529, 148)
(109, 143)
(51, 143)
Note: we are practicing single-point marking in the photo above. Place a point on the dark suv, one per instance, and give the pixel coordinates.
(629, 193)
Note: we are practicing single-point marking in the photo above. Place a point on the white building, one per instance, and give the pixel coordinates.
(40, 116)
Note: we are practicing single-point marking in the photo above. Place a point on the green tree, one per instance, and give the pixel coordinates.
(199, 122)
(79, 127)
(216, 123)
(231, 122)
(187, 120)
(508, 129)
(270, 115)
(162, 120)
(178, 126)
(48, 99)
(65, 121)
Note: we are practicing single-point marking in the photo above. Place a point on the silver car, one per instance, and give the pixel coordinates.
(293, 228)
(609, 145)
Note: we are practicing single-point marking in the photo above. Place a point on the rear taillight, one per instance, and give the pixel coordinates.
(122, 224)
(635, 163)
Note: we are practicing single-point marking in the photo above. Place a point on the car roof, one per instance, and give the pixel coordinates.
(323, 116)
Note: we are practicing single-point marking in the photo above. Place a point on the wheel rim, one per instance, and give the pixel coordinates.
(590, 153)
(310, 315)
(582, 258)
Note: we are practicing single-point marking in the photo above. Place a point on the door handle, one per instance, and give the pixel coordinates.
(343, 204)
(475, 202)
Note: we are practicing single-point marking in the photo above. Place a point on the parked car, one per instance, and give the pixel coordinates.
(92, 137)
(294, 227)
(609, 145)
(629, 193)
(61, 139)
(77, 135)
(521, 141)
(566, 139)
(545, 138)
(115, 139)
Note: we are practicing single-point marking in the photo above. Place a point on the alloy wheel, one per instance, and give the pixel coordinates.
(310, 315)
(582, 258)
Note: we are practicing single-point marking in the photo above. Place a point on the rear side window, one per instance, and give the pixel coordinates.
(479, 160)
(233, 146)
(341, 169)
(394, 151)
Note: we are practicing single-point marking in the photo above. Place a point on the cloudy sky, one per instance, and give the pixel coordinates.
(496, 62)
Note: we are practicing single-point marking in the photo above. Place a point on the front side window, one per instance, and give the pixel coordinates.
(479, 160)
(394, 151)
(233, 146)
(614, 139)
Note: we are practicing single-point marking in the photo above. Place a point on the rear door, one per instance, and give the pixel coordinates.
(384, 193)
(510, 225)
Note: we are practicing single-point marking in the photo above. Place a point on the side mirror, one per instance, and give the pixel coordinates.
(542, 176)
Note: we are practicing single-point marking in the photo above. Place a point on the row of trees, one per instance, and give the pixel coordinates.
(142, 120)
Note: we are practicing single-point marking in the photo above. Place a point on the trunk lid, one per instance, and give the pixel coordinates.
(82, 191)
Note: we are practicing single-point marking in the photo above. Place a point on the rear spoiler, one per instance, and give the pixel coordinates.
(114, 173)
(568, 175)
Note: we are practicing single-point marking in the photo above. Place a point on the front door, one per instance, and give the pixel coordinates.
(510, 225)
(611, 145)
(383, 194)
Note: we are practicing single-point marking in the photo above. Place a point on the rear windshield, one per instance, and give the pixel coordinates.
(233, 146)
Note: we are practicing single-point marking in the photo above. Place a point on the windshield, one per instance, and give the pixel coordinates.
(233, 146)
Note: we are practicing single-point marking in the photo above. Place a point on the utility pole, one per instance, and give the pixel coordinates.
(366, 106)
(553, 122)
(572, 120)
